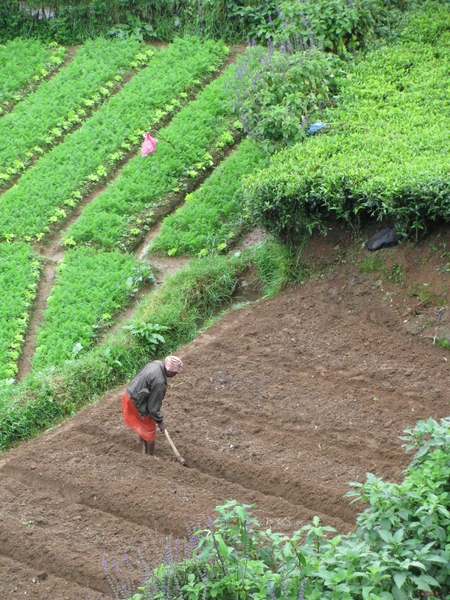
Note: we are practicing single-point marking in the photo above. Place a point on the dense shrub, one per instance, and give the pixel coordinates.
(73, 21)
(276, 89)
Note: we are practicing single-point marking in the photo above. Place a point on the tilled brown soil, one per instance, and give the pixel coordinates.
(280, 404)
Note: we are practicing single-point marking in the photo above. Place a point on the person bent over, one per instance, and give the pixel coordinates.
(141, 403)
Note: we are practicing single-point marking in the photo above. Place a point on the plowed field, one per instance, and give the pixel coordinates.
(281, 404)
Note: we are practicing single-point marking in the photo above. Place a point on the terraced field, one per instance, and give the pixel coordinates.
(280, 403)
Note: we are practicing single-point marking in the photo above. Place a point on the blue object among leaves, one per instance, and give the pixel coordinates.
(316, 127)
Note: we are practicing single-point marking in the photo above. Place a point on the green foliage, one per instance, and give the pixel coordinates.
(276, 89)
(23, 64)
(334, 25)
(385, 156)
(399, 549)
(144, 183)
(132, 28)
(74, 22)
(59, 179)
(19, 277)
(190, 297)
(90, 288)
(43, 118)
(213, 215)
(147, 333)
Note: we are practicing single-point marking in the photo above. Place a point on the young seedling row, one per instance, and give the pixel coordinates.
(91, 286)
(185, 149)
(77, 314)
(19, 275)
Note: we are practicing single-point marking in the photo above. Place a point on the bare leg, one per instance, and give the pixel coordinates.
(143, 445)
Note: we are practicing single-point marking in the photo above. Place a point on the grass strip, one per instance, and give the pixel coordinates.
(214, 214)
(23, 63)
(386, 154)
(19, 275)
(184, 303)
(59, 179)
(57, 105)
(91, 286)
(117, 216)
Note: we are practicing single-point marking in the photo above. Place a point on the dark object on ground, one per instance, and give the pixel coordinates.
(384, 238)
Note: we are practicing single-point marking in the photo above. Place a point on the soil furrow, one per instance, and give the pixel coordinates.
(38, 584)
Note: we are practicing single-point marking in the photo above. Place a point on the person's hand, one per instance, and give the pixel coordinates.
(162, 426)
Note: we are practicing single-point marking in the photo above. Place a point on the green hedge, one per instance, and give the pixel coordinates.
(386, 152)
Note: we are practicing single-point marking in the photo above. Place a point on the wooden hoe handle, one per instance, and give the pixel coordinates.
(175, 451)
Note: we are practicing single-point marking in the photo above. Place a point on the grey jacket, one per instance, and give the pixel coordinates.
(147, 390)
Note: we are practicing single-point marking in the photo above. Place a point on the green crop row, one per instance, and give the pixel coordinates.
(58, 104)
(214, 214)
(386, 153)
(91, 286)
(117, 215)
(19, 276)
(59, 179)
(23, 63)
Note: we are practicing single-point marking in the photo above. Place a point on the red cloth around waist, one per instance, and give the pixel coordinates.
(144, 427)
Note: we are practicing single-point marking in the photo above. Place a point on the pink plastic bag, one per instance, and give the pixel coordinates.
(149, 145)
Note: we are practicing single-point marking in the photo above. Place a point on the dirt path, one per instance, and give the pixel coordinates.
(280, 403)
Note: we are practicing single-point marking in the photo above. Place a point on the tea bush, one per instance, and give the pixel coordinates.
(385, 154)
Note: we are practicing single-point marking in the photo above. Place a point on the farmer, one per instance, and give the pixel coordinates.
(141, 403)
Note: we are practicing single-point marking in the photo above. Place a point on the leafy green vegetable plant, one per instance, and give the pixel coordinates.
(127, 206)
(147, 333)
(399, 549)
(90, 288)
